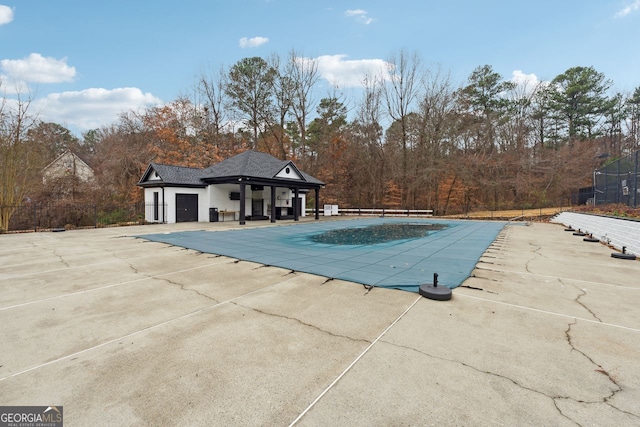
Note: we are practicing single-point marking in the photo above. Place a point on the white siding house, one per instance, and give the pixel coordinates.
(249, 186)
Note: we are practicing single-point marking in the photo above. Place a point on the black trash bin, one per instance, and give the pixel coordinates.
(213, 215)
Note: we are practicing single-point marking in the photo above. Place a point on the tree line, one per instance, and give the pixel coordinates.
(413, 139)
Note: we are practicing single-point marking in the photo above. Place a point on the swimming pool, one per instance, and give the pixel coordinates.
(447, 247)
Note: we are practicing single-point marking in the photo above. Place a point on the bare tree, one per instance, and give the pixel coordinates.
(283, 92)
(436, 109)
(367, 148)
(122, 153)
(303, 73)
(211, 96)
(400, 94)
(17, 163)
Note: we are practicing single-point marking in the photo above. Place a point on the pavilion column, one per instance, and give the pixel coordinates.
(242, 203)
(295, 204)
(273, 203)
(317, 190)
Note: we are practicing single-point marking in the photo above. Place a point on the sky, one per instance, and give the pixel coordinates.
(83, 63)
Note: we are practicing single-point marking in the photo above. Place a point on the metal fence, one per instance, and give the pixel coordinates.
(50, 216)
(371, 212)
(618, 182)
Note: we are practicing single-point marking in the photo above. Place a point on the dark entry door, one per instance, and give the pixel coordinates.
(186, 207)
(298, 203)
(257, 207)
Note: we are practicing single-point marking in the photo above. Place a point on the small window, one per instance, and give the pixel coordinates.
(287, 170)
(156, 206)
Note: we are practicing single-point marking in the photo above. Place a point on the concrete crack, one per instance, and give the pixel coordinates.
(62, 260)
(535, 251)
(301, 323)
(135, 270)
(577, 299)
(494, 374)
(600, 369)
(183, 288)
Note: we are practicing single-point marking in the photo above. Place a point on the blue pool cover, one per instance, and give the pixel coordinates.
(405, 264)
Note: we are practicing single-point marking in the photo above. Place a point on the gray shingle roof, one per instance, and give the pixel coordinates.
(176, 175)
(252, 164)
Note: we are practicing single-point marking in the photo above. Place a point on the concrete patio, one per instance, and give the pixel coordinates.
(122, 331)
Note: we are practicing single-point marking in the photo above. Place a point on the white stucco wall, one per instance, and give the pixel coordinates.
(203, 202)
(148, 202)
(284, 198)
(217, 196)
(170, 201)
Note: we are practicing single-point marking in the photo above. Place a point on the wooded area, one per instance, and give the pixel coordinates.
(414, 139)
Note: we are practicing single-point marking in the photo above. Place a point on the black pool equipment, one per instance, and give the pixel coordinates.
(623, 255)
(579, 233)
(591, 239)
(435, 292)
(569, 228)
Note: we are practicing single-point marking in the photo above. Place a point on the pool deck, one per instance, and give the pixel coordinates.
(123, 331)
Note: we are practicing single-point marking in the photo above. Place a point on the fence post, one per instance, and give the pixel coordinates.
(606, 184)
(35, 217)
(618, 181)
(95, 215)
(635, 180)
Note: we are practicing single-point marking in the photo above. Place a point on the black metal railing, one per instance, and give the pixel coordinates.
(48, 216)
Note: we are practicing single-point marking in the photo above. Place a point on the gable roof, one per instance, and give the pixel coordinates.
(172, 175)
(67, 153)
(254, 164)
(68, 164)
(249, 165)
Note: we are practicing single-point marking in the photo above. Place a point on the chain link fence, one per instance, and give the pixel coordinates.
(51, 216)
(618, 182)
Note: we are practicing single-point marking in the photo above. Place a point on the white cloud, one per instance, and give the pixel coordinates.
(252, 42)
(92, 108)
(522, 79)
(527, 84)
(628, 9)
(11, 86)
(349, 73)
(360, 15)
(6, 14)
(36, 68)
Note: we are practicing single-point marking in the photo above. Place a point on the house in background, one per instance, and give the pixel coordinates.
(67, 165)
(68, 178)
(250, 186)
